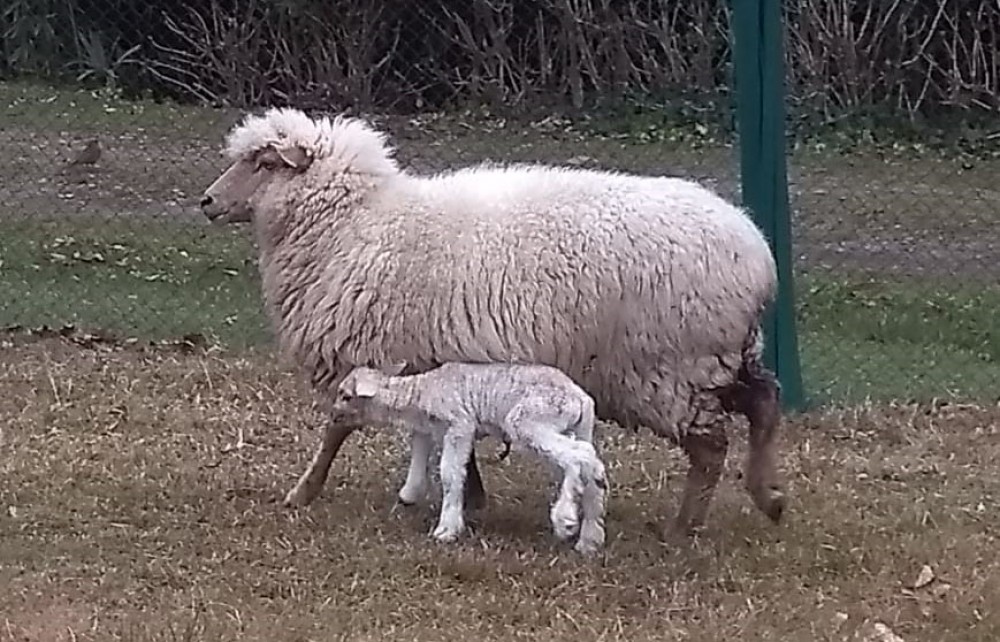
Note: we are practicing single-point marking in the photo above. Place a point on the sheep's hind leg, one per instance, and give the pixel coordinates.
(761, 405)
(312, 480)
(706, 449)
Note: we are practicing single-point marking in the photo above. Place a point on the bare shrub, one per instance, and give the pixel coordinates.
(916, 57)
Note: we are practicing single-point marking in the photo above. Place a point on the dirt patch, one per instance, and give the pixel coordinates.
(140, 490)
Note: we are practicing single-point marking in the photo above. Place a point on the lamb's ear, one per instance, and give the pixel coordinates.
(346, 389)
(365, 388)
(295, 157)
(393, 369)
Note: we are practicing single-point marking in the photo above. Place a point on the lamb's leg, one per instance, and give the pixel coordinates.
(565, 513)
(458, 443)
(592, 502)
(762, 408)
(312, 480)
(706, 448)
(413, 489)
(565, 452)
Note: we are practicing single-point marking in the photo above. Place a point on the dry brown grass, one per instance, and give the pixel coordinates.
(132, 509)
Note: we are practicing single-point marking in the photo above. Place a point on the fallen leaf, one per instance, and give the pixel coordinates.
(884, 634)
(877, 632)
(925, 577)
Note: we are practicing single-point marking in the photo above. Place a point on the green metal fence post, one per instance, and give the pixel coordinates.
(759, 79)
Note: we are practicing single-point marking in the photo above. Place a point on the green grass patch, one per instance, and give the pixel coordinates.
(26, 104)
(860, 337)
(865, 337)
(145, 278)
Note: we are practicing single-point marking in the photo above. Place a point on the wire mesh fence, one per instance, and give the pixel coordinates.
(114, 112)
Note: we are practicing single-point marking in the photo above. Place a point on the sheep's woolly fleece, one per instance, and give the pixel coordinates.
(647, 291)
(350, 143)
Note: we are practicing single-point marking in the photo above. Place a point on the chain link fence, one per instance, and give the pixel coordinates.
(114, 112)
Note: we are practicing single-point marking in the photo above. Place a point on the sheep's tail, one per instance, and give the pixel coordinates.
(753, 377)
(752, 369)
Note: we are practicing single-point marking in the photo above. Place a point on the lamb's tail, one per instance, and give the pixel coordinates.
(506, 449)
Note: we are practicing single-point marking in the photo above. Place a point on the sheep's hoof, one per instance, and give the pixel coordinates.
(772, 502)
(675, 533)
(298, 497)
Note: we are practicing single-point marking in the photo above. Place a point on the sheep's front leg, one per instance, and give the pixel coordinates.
(416, 477)
(312, 480)
(455, 453)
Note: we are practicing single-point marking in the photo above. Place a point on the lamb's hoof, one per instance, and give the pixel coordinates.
(565, 521)
(586, 548)
(591, 541)
(446, 534)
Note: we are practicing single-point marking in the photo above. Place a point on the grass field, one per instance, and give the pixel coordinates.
(140, 503)
(138, 486)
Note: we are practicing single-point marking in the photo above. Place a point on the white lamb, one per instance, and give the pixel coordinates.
(647, 291)
(537, 408)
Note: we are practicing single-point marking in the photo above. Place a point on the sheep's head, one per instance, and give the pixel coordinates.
(270, 149)
(232, 197)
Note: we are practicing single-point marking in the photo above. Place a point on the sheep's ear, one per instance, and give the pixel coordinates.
(295, 157)
(394, 369)
(365, 389)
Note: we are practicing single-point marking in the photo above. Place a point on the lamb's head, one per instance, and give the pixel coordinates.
(269, 151)
(362, 395)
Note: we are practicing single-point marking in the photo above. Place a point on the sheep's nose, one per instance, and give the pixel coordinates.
(206, 200)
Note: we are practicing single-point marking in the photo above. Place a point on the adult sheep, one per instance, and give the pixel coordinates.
(647, 291)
